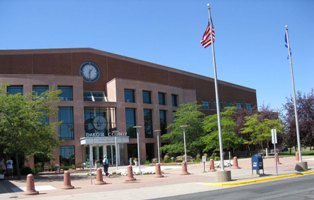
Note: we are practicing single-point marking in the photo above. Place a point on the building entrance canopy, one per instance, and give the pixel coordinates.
(104, 140)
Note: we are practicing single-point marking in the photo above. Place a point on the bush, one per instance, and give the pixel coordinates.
(198, 158)
(26, 170)
(66, 167)
(167, 159)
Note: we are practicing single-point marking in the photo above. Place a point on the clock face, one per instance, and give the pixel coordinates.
(90, 72)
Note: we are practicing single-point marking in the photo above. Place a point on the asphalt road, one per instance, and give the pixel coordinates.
(289, 189)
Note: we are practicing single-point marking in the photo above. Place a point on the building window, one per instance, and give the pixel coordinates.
(228, 104)
(39, 89)
(174, 99)
(163, 121)
(66, 93)
(132, 153)
(15, 89)
(150, 151)
(248, 106)
(66, 129)
(239, 106)
(148, 123)
(129, 95)
(147, 98)
(130, 119)
(205, 105)
(95, 96)
(67, 156)
(162, 98)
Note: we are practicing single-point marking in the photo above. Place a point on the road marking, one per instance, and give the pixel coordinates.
(261, 180)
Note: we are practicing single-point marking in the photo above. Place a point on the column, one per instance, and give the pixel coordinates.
(91, 160)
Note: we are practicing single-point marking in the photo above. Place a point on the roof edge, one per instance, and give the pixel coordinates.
(117, 56)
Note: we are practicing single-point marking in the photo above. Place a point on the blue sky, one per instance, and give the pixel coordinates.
(249, 36)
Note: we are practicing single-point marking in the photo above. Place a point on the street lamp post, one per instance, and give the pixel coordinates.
(138, 147)
(116, 146)
(158, 144)
(184, 127)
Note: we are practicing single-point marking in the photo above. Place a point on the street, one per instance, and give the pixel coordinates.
(288, 189)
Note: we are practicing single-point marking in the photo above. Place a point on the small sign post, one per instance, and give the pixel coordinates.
(204, 161)
(274, 141)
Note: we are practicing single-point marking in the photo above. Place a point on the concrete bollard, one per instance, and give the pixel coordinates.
(184, 168)
(277, 159)
(30, 185)
(67, 180)
(158, 171)
(130, 174)
(235, 163)
(297, 156)
(99, 177)
(211, 166)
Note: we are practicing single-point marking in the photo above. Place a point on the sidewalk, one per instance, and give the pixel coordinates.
(146, 186)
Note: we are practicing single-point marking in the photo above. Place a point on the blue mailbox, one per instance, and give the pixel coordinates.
(257, 163)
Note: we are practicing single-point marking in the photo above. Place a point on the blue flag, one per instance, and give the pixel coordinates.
(286, 45)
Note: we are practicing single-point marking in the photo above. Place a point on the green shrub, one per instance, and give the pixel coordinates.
(167, 159)
(198, 158)
(26, 170)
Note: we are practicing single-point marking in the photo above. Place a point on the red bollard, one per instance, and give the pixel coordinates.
(67, 180)
(211, 166)
(184, 168)
(99, 178)
(30, 185)
(277, 159)
(158, 171)
(130, 174)
(297, 156)
(235, 163)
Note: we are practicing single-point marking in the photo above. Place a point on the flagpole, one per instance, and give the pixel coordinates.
(216, 92)
(294, 96)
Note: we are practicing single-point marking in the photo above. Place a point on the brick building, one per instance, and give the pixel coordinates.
(105, 95)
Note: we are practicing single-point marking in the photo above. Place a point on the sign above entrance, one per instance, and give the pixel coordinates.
(102, 134)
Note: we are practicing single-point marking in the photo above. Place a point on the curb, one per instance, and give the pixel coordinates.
(261, 180)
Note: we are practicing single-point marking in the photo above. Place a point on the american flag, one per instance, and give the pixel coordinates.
(206, 39)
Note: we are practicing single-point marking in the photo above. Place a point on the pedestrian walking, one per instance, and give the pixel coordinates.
(10, 167)
(105, 163)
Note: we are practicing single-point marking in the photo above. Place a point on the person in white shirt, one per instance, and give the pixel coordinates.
(105, 162)
(10, 167)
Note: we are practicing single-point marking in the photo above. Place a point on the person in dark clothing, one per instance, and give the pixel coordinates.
(105, 163)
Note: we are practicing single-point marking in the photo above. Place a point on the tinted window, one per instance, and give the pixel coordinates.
(67, 155)
(15, 89)
(147, 97)
(161, 98)
(163, 121)
(130, 119)
(67, 93)
(174, 99)
(39, 89)
(129, 96)
(148, 122)
(66, 129)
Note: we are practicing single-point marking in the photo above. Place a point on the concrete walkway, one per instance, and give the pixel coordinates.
(147, 186)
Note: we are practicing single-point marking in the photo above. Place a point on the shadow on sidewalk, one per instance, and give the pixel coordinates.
(7, 187)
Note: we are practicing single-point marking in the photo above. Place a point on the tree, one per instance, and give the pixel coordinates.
(258, 127)
(24, 130)
(305, 109)
(187, 114)
(228, 126)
